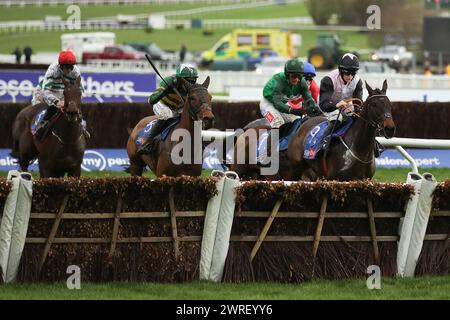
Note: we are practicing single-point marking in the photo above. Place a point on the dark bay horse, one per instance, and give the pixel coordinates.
(62, 150)
(351, 157)
(197, 107)
(244, 153)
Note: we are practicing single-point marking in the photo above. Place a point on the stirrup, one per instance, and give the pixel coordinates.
(86, 134)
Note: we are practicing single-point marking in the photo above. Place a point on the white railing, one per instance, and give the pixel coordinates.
(266, 23)
(399, 143)
(92, 24)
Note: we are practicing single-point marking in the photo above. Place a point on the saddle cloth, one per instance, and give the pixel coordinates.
(314, 137)
(160, 136)
(287, 131)
(37, 119)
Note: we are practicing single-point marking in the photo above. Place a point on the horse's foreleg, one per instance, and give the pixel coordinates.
(136, 167)
(24, 164)
(74, 172)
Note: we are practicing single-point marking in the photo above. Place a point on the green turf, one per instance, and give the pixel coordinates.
(92, 11)
(436, 287)
(400, 174)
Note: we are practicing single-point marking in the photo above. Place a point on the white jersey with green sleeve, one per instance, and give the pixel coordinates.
(52, 86)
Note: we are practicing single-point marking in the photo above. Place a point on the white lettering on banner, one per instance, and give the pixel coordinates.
(118, 162)
(8, 161)
(25, 88)
(13, 88)
(106, 88)
(386, 161)
(94, 162)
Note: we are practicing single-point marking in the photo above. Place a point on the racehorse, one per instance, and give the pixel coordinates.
(352, 156)
(245, 162)
(62, 150)
(197, 107)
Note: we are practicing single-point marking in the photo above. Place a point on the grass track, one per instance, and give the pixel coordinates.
(436, 287)
(93, 11)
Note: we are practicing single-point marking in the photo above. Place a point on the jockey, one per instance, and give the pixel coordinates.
(309, 73)
(51, 89)
(337, 86)
(282, 93)
(166, 103)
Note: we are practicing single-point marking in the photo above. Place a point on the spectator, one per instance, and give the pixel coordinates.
(27, 52)
(182, 53)
(18, 55)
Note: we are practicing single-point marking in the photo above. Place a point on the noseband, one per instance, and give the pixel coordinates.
(377, 123)
(193, 111)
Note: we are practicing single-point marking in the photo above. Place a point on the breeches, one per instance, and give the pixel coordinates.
(275, 118)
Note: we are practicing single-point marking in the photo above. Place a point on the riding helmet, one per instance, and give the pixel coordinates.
(309, 69)
(349, 62)
(187, 71)
(293, 66)
(67, 57)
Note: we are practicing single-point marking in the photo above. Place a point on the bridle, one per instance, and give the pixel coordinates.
(193, 111)
(373, 123)
(71, 117)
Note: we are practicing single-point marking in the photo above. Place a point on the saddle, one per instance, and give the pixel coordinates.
(286, 132)
(314, 138)
(162, 135)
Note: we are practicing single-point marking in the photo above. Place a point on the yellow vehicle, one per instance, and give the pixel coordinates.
(245, 43)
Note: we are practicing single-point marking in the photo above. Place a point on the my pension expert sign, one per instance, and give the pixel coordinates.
(117, 160)
(16, 85)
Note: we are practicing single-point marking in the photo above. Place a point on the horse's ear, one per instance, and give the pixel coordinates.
(369, 89)
(184, 84)
(384, 86)
(206, 82)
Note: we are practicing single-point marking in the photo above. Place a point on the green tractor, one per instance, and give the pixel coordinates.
(327, 52)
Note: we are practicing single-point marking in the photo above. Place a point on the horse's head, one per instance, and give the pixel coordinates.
(72, 99)
(198, 102)
(378, 109)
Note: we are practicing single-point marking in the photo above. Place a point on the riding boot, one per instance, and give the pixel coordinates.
(147, 146)
(327, 131)
(86, 133)
(378, 149)
(42, 126)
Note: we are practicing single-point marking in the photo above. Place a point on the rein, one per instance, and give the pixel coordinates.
(71, 117)
(192, 110)
(375, 124)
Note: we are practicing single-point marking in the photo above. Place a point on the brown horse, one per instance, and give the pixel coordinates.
(197, 107)
(351, 157)
(244, 161)
(62, 150)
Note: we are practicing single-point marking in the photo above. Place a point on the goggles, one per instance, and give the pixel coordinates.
(66, 66)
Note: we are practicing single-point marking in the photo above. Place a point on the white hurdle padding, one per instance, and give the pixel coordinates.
(413, 226)
(210, 227)
(423, 211)
(14, 224)
(224, 224)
